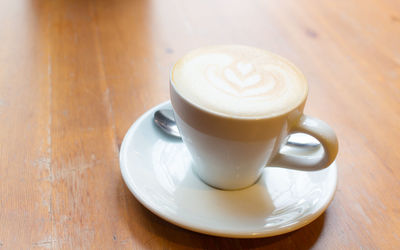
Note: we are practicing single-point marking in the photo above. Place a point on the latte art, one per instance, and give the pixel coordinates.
(243, 82)
(239, 81)
(231, 81)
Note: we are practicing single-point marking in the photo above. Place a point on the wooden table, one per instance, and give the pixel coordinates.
(75, 74)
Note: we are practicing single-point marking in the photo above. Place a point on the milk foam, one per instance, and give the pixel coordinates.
(239, 81)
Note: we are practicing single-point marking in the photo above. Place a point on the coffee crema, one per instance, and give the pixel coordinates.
(239, 81)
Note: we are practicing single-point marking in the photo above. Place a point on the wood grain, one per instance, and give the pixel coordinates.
(74, 75)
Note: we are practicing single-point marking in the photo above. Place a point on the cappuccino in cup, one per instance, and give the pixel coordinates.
(239, 81)
(235, 105)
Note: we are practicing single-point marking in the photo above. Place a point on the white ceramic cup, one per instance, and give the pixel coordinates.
(230, 153)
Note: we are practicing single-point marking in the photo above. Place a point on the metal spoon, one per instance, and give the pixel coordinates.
(165, 120)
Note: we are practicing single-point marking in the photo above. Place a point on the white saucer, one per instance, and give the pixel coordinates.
(157, 170)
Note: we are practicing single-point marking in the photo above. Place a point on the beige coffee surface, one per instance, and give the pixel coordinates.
(239, 81)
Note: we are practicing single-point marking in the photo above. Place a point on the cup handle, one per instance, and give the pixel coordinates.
(323, 133)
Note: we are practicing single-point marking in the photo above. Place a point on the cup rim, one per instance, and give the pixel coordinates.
(236, 117)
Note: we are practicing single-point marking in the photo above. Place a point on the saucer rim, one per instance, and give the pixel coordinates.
(205, 230)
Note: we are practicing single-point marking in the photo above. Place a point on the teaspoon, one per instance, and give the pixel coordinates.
(165, 120)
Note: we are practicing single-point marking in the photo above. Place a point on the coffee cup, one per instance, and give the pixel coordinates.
(235, 106)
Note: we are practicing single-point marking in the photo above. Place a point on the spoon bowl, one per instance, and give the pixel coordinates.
(165, 120)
